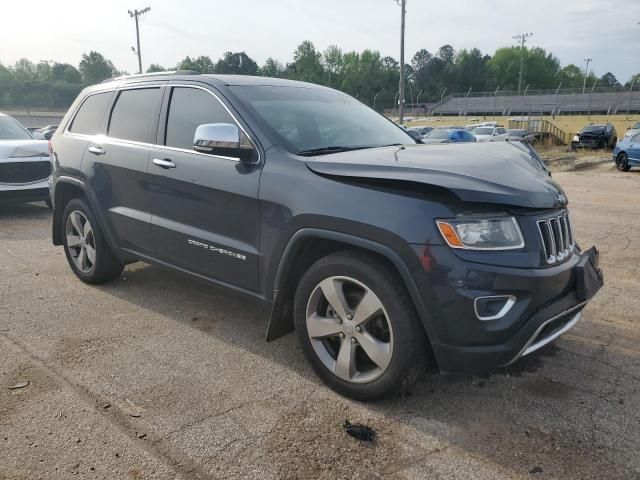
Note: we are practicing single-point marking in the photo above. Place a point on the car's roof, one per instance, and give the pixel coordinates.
(238, 80)
(227, 80)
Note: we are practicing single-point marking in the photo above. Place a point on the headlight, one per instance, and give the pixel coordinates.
(498, 233)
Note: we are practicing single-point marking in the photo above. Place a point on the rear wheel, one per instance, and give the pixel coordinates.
(87, 251)
(622, 162)
(358, 327)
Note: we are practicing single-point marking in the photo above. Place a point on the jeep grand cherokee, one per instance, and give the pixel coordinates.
(383, 255)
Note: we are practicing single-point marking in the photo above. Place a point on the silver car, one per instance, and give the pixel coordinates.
(25, 165)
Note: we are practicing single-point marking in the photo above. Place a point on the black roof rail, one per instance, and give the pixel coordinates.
(154, 74)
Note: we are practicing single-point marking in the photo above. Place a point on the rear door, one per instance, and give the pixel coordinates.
(117, 164)
(206, 216)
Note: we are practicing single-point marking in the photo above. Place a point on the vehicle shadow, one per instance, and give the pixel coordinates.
(242, 322)
(35, 210)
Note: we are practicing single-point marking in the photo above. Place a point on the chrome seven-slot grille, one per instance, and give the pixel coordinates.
(557, 237)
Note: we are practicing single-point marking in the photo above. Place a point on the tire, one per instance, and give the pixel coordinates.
(98, 267)
(622, 162)
(329, 330)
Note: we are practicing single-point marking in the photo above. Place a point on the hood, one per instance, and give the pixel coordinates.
(592, 131)
(429, 141)
(493, 172)
(23, 149)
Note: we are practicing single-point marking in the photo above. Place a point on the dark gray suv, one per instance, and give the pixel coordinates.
(385, 256)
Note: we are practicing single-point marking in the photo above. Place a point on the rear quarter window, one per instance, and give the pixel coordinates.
(88, 119)
(135, 115)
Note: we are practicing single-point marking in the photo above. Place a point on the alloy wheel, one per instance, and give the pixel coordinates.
(349, 329)
(81, 242)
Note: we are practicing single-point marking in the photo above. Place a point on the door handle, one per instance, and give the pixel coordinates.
(97, 150)
(164, 163)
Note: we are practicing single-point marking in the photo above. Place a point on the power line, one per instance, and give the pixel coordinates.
(521, 38)
(403, 5)
(136, 14)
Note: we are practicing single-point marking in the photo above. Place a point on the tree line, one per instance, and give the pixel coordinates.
(367, 75)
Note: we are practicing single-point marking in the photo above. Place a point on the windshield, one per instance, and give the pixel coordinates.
(438, 134)
(593, 129)
(517, 133)
(310, 120)
(10, 129)
(482, 131)
(636, 126)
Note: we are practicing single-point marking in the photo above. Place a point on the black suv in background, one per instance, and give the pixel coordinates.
(382, 254)
(596, 136)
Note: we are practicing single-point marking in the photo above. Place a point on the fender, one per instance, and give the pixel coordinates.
(280, 320)
(93, 203)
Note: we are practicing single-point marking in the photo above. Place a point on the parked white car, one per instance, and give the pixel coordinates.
(633, 130)
(490, 134)
(25, 165)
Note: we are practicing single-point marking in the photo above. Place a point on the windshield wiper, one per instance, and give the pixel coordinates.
(331, 149)
(337, 149)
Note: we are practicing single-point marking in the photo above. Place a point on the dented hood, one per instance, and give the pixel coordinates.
(495, 172)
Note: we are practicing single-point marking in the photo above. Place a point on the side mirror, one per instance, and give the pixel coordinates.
(225, 140)
(48, 135)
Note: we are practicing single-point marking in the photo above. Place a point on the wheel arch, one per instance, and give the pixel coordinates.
(66, 189)
(308, 245)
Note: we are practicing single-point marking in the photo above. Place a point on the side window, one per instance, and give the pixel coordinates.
(134, 115)
(188, 109)
(88, 120)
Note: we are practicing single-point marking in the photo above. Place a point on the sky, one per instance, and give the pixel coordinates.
(605, 30)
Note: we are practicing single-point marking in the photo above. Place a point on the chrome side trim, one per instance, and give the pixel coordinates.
(530, 346)
(104, 138)
(511, 301)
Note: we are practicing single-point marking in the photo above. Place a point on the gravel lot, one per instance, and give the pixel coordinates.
(161, 376)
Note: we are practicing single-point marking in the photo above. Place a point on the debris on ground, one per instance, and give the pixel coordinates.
(132, 409)
(361, 432)
(536, 470)
(19, 385)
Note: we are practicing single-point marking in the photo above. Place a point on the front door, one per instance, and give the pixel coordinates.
(206, 216)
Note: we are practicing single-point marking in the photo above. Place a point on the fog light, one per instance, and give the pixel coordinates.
(493, 307)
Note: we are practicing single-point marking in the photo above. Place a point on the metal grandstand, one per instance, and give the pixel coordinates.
(609, 101)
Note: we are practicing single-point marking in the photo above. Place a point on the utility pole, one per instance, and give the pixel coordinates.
(522, 38)
(136, 14)
(403, 5)
(586, 74)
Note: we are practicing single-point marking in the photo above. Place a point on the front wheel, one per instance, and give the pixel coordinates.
(85, 247)
(358, 327)
(622, 162)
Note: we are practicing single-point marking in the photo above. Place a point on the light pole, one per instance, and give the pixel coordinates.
(418, 102)
(403, 5)
(522, 38)
(586, 74)
(136, 14)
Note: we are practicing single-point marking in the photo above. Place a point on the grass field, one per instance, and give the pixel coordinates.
(568, 123)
